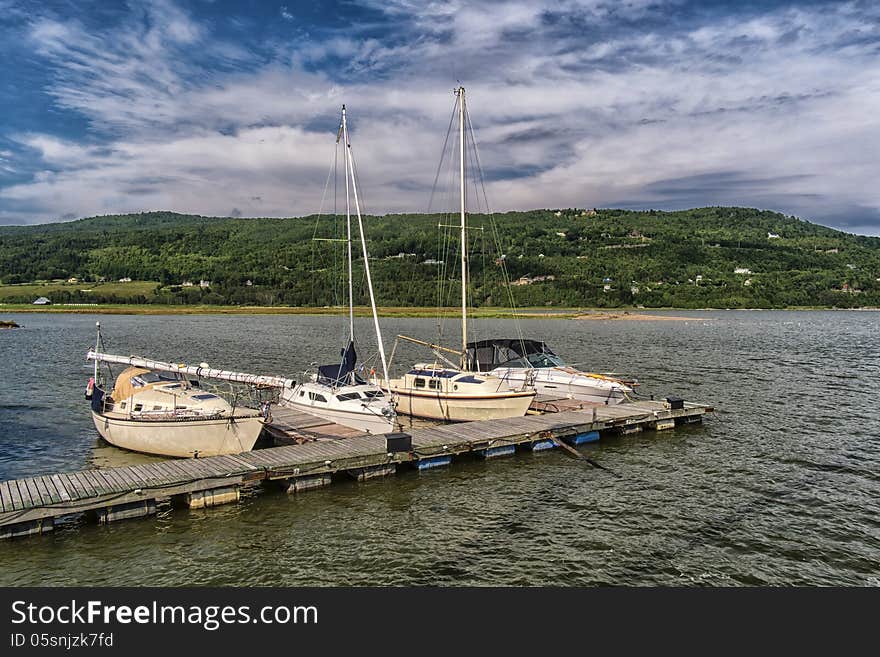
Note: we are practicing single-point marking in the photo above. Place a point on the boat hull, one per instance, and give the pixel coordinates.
(366, 422)
(559, 382)
(461, 408)
(181, 438)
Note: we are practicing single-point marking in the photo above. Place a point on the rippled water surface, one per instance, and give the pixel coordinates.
(780, 486)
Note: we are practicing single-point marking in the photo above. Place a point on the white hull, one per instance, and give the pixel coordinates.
(461, 408)
(367, 421)
(567, 383)
(357, 406)
(181, 438)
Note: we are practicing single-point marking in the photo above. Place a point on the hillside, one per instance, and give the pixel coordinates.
(707, 257)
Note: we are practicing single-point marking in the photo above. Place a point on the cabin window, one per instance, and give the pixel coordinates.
(373, 394)
(455, 386)
(419, 383)
(314, 396)
(348, 396)
(138, 407)
(122, 404)
(434, 383)
(157, 407)
(302, 393)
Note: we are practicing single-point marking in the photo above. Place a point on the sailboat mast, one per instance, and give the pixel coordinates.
(464, 338)
(348, 228)
(357, 207)
(97, 348)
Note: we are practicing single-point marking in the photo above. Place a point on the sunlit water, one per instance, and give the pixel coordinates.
(781, 486)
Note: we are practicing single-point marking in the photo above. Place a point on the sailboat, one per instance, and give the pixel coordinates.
(335, 391)
(154, 408)
(455, 393)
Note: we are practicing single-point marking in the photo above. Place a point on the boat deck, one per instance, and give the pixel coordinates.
(31, 505)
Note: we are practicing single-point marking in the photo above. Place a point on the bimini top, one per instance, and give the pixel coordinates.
(486, 355)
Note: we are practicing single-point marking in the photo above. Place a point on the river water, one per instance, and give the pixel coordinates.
(781, 486)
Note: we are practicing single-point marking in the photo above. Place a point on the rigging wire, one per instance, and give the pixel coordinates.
(331, 172)
(444, 285)
(496, 235)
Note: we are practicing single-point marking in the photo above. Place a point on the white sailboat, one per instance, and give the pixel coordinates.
(336, 392)
(158, 410)
(445, 392)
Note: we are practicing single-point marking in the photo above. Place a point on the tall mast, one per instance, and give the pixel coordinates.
(460, 93)
(97, 348)
(357, 207)
(348, 228)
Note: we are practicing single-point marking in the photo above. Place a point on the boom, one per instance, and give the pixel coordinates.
(206, 372)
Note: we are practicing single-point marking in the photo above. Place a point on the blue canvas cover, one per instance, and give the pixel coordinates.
(337, 374)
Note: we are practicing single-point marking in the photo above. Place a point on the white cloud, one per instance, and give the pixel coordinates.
(783, 106)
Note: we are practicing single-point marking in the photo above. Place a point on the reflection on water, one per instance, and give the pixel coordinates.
(780, 486)
(104, 455)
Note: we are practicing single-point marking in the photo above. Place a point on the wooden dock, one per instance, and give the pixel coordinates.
(288, 426)
(32, 505)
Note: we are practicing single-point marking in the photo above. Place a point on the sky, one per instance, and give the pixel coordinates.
(231, 108)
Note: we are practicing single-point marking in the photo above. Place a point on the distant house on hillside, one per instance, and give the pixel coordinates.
(125, 279)
(772, 236)
(73, 279)
(42, 301)
(204, 283)
(742, 270)
(186, 284)
(528, 280)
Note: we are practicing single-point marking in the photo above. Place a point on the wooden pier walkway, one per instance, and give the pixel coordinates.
(32, 504)
(290, 427)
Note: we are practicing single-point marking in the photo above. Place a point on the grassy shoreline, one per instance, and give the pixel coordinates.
(363, 311)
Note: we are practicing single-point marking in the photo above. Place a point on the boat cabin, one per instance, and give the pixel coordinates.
(433, 378)
(145, 393)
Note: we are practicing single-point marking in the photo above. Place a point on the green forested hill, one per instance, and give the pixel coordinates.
(587, 258)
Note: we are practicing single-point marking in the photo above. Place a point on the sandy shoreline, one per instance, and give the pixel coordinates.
(386, 311)
(628, 316)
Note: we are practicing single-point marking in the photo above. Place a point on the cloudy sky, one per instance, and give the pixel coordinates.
(231, 108)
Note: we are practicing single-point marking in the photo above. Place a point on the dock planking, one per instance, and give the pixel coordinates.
(325, 451)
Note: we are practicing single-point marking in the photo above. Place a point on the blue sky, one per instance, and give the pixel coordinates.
(224, 107)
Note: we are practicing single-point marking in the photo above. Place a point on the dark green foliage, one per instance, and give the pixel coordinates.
(652, 258)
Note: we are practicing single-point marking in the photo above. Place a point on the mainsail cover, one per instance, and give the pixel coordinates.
(181, 368)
